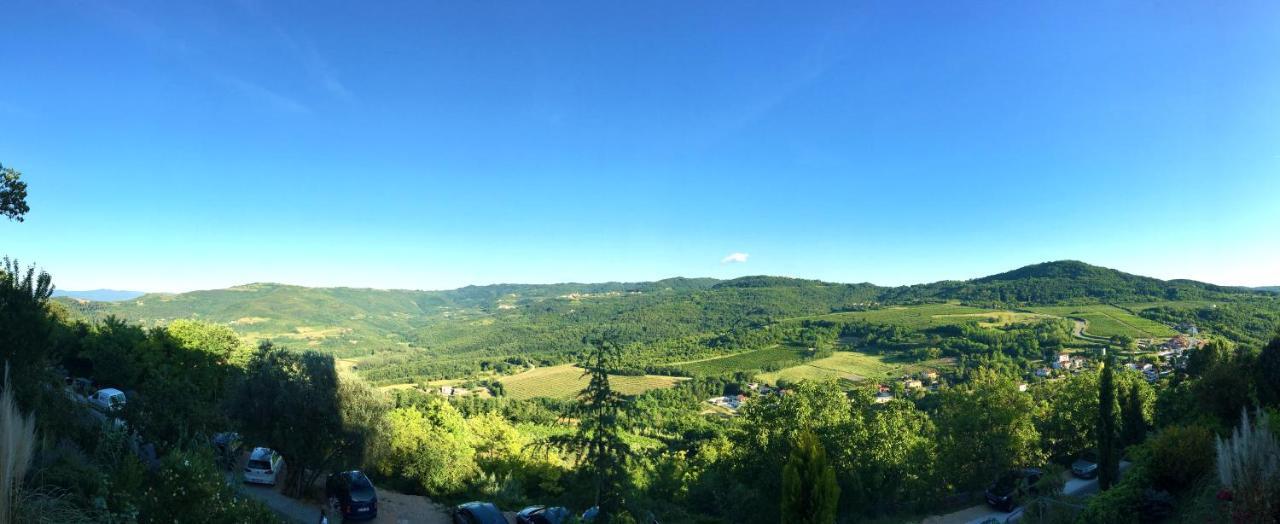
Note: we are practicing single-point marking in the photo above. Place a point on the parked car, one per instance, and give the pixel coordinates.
(478, 513)
(1086, 467)
(542, 515)
(351, 495)
(263, 467)
(1003, 494)
(107, 400)
(226, 449)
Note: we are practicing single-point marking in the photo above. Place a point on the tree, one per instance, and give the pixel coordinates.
(428, 445)
(598, 441)
(810, 494)
(13, 194)
(1133, 425)
(290, 403)
(985, 427)
(1108, 467)
(1267, 373)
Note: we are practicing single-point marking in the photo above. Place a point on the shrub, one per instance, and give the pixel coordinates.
(1180, 455)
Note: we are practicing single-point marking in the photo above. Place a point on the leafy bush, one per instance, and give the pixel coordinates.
(1179, 456)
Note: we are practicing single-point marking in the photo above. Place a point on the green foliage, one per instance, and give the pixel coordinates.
(1180, 455)
(1267, 374)
(188, 480)
(428, 445)
(13, 194)
(598, 441)
(810, 494)
(1108, 451)
(290, 403)
(1133, 425)
(985, 427)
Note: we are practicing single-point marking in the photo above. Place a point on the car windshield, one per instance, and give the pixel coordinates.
(259, 464)
(1006, 482)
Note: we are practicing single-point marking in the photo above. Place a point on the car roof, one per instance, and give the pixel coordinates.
(486, 511)
(110, 391)
(259, 452)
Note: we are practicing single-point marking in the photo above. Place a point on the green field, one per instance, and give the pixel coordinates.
(1107, 321)
(778, 356)
(932, 315)
(851, 366)
(566, 380)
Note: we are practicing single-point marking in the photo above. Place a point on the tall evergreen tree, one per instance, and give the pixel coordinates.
(810, 493)
(1108, 468)
(1133, 424)
(598, 441)
(1267, 372)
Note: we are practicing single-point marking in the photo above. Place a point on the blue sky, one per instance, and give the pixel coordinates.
(175, 146)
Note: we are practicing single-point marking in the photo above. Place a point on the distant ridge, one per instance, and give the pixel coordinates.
(99, 295)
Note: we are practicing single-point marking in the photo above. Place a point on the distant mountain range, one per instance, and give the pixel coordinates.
(1275, 289)
(99, 295)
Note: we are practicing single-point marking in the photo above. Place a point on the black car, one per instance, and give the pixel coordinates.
(226, 449)
(542, 515)
(478, 513)
(1004, 492)
(1085, 467)
(352, 495)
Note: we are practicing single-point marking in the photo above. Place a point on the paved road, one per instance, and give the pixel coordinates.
(981, 513)
(393, 507)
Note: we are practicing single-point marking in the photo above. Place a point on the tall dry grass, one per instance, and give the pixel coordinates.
(17, 448)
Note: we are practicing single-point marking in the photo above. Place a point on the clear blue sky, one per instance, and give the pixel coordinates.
(185, 145)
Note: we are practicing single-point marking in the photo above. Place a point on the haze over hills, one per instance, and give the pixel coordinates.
(100, 295)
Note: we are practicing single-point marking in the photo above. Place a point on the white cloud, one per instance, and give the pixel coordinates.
(734, 258)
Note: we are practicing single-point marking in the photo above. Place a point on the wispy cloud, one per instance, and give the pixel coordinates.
(734, 258)
(267, 96)
(305, 50)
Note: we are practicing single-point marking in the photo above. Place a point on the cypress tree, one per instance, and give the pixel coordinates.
(1108, 468)
(1134, 427)
(809, 489)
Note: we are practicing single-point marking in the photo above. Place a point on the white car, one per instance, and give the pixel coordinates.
(107, 400)
(263, 467)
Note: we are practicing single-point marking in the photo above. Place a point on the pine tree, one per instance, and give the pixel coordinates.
(1108, 468)
(598, 440)
(809, 489)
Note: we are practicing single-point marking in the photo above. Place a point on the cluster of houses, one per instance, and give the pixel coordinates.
(455, 391)
(733, 402)
(1062, 363)
(924, 380)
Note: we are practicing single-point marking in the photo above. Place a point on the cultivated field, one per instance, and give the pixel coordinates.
(1107, 321)
(931, 315)
(566, 380)
(776, 357)
(852, 366)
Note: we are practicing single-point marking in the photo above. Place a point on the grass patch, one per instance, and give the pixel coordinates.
(854, 367)
(566, 380)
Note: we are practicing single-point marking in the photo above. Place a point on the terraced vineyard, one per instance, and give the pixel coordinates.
(932, 315)
(1108, 321)
(775, 357)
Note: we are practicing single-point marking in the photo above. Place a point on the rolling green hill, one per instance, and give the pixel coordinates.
(395, 336)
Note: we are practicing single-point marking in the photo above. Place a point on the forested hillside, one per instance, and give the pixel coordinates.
(396, 336)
